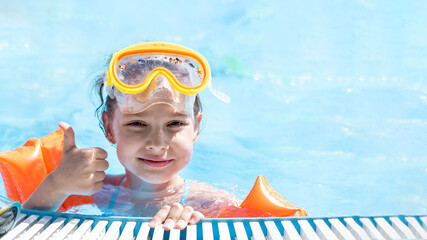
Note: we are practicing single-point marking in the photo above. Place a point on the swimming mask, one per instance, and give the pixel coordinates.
(9, 212)
(149, 73)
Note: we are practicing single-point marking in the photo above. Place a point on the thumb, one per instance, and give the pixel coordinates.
(69, 142)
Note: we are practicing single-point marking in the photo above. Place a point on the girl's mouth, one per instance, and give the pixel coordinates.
(156, 163)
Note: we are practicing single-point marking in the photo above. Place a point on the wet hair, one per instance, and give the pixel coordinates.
(108, 105)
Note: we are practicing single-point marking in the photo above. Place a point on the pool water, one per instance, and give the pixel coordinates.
(328, 99)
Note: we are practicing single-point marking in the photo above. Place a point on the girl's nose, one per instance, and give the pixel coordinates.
(157, 141)
(157, 148)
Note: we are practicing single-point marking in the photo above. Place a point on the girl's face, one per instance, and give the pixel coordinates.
(155, 144)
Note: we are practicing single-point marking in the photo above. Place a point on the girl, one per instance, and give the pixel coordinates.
(152, 114)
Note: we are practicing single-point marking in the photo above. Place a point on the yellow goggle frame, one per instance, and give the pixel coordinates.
(154, 48)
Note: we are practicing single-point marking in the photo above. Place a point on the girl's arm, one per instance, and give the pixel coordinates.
(46, 197)
(81, 171)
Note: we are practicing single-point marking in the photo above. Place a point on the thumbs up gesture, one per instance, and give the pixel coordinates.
(81, 171)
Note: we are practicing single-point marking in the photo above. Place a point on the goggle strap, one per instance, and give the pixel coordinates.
(218, 93)
(108, 89)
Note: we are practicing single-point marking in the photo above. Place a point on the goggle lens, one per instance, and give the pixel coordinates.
(134, 69)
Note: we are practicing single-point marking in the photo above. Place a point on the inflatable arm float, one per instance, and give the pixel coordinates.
(263, 201)
(24, 168)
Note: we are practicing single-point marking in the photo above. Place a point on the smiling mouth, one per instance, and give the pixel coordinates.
(156, 164)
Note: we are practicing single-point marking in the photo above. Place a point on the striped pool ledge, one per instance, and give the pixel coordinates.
(32, 224)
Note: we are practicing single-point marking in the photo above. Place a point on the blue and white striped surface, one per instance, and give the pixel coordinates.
(49, 225)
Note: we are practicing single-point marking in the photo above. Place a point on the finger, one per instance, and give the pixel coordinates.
(97, 176)
(184, 218)
(99, 153)
(160, 217)
(196, 217)
(69, 138)
(173, 216)
(101, 165)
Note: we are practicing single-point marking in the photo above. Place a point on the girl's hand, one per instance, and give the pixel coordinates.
(81, 171)
(176, 216)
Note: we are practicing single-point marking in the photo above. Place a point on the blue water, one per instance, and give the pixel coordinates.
(328, 98)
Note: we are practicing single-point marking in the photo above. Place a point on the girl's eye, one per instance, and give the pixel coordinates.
(176, 124)
(136, 124)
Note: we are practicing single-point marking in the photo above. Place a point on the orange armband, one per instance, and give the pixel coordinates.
(24, 168)
(263, 201)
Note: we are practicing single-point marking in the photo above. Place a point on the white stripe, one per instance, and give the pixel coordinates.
(191, 232)
(424, 221)
(98, 231)
(240, 231)
(272, 231)
(83, 230)
(257, 233)
(370, 229)
(416, 227)
(143, 231)
(323, 230)
(127, 233)
(52, 229)
(207, 230)
(355, 229)
(174, 234)
(386, 229)
(224, 233)
(20, 218)
(401, 228)
(67, 229)
(307, 232)
(36, 228)
(113, 231)
(290, 231)
(340, 230)
(12, 234)
(158, 232)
